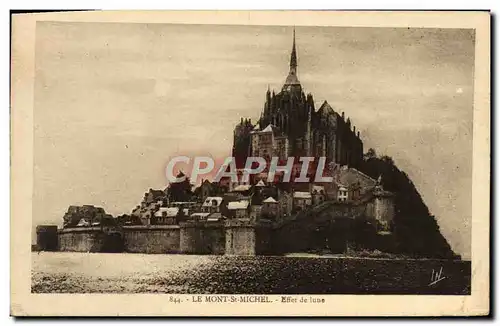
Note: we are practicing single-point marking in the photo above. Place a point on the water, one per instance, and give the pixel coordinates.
(69, 272)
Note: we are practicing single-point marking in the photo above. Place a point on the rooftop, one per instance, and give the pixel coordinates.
(168, 211)
(212, 202)
(260, 184)
(270, 200)
(302, 195)
(242, 188)
(242, 204)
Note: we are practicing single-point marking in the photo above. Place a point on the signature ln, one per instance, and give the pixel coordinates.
(436, 276)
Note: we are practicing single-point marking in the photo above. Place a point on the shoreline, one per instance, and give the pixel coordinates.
(288, 255)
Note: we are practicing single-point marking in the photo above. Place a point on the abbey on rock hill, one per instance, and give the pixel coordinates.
(290, 126)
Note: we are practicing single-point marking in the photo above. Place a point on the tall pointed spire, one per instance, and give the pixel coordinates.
(293, 58)
(292, 82)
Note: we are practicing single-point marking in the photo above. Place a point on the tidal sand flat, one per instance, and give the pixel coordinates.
(69, 272)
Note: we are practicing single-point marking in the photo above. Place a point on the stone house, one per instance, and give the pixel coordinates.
(318, 194)
(165, 215)
(301, 200)
(255, 212)
(239, 209)
(206, 189)
(270, 208)
(211, 205)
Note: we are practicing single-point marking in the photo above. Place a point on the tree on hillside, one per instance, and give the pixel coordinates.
(387, 159)
(180, 191)
(369, 154)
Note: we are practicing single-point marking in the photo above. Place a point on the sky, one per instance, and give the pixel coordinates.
(114, 101)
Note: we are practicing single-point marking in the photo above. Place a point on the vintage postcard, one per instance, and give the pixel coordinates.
(247, 163)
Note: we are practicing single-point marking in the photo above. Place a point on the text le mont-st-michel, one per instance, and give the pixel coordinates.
(255, 299)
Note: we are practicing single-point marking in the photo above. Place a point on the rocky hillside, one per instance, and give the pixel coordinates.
(89, 213)
(415, 229)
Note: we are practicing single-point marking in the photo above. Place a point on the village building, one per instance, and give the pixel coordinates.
(239, 209)
(301, 200)
(205, 190)
(343, 194)
(166, 216)
(270, 208)
(318, 194)
(211, 205)
(350, 185)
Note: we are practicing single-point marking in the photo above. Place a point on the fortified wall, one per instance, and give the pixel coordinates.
(337, 227)
(216, 238)
(148, 239)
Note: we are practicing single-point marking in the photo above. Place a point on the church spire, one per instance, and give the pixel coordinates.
(293, 58)
(292, 82)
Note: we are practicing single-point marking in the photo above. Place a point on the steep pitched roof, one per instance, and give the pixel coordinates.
(326, 108)
(271, 128)
(260, 184)
(351, 175)
(292, 79)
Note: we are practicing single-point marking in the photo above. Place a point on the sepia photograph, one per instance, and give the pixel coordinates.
(265, 163)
